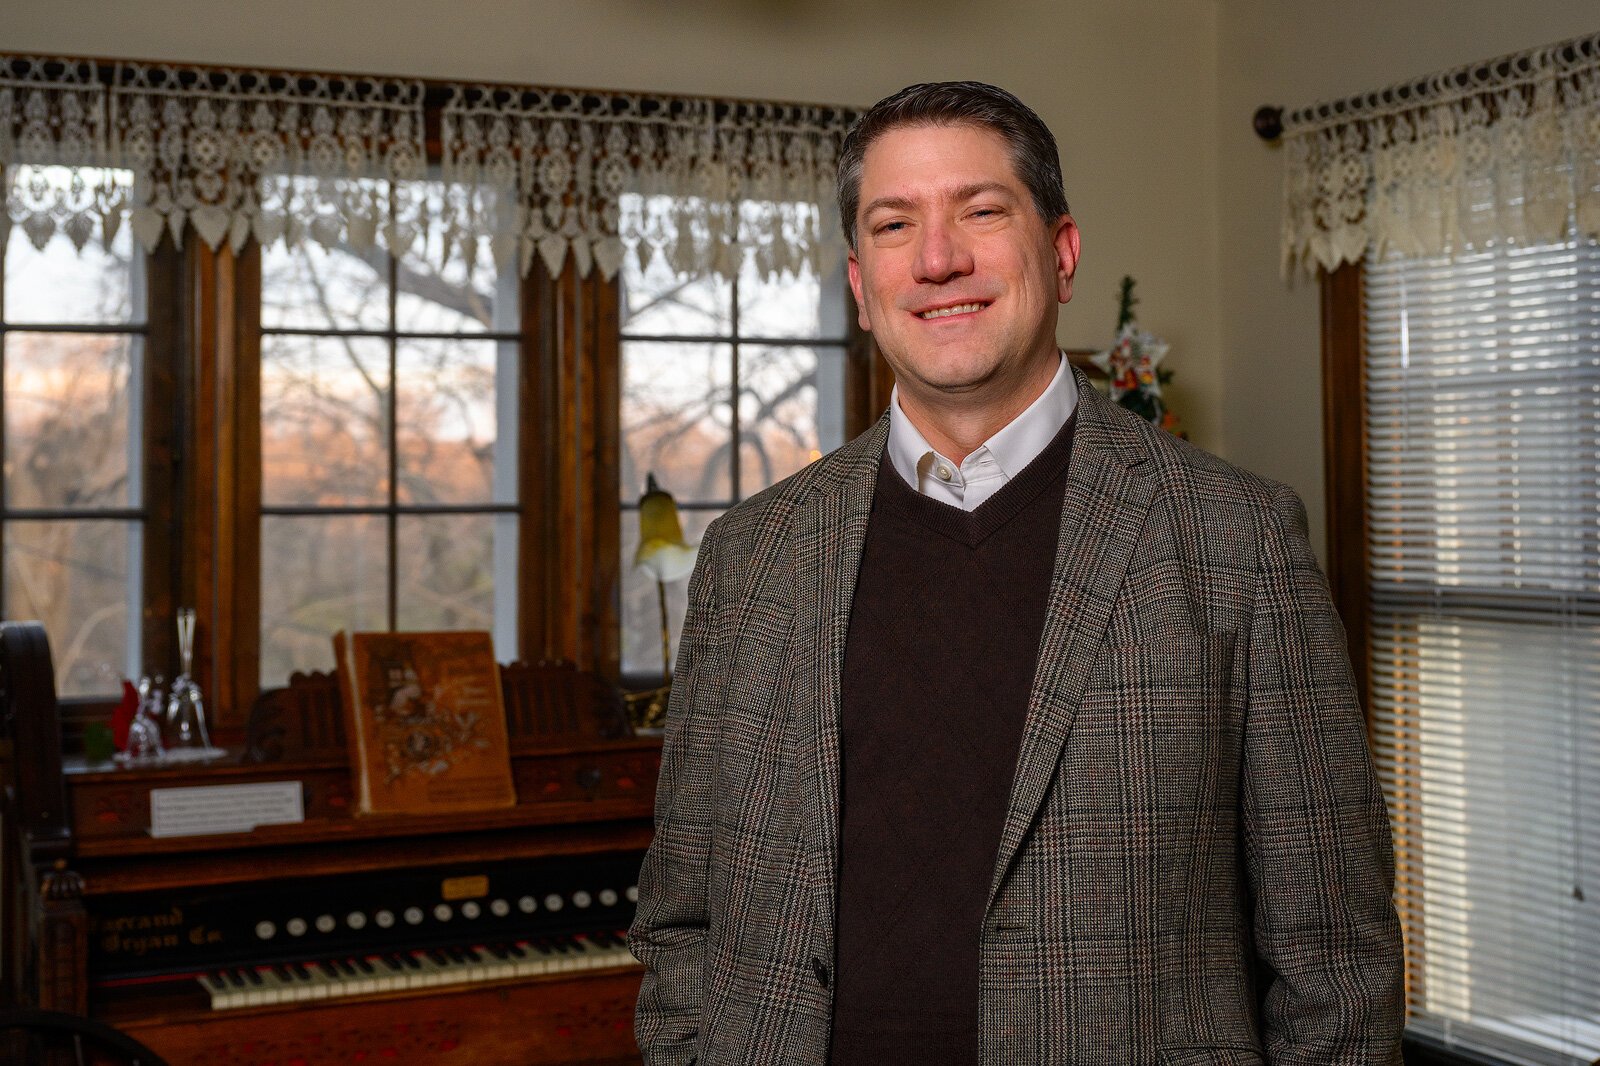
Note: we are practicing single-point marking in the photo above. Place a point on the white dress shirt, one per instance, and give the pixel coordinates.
(995, 462)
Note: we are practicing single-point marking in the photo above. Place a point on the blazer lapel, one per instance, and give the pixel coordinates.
(831, 534)
(1102, 516)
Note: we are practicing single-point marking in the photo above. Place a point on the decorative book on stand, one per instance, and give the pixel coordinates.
(425, 721)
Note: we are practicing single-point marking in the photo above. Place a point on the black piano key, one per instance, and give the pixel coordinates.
(363, 965)
(392, 962)
(499, 951)
(301, 972)
(518, 950)
(216, 982)
(438, 956)
(235, 978)
(253, 975)
(410, 959)
(282, 971)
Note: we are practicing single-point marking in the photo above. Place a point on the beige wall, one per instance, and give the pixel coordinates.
(1293, 53)
(1129, 86)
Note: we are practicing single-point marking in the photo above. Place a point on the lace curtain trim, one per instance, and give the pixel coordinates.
(528, 172)
(1503, 151)
(538, 171)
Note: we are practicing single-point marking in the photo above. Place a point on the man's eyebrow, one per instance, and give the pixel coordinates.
(980, 188)
(960, 194)
(888, 203)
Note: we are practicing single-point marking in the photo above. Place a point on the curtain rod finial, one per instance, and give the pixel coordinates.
(1268, 122)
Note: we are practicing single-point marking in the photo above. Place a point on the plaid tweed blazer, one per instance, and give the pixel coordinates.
(1195, 865)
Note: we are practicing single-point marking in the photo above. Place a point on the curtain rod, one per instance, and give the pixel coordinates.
(1506, 71)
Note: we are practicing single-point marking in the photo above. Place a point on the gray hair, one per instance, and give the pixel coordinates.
(956, 103)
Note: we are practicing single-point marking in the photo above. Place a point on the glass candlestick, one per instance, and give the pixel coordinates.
(187, 739)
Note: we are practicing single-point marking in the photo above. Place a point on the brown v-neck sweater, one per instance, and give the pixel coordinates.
(944, 637)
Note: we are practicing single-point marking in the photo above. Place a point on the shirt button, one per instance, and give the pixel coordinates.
(943, 472)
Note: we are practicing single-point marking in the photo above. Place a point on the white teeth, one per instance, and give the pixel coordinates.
(958, 309)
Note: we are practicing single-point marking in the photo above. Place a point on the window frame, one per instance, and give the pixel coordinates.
(161, 467)
(1344, 458)
(391, 509)
(567, 404)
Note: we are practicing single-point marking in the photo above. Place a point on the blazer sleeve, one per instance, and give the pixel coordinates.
(670, 926)
(1316, 828)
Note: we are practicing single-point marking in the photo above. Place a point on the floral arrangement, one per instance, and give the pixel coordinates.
(1132, 365)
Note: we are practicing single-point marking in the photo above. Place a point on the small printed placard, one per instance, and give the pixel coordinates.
(199, 811)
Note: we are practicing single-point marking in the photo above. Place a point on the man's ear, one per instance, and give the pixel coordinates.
(1067, 246)
(855, 287)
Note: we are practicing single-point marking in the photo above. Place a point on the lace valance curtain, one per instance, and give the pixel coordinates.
(87, 149)
(1507, 150)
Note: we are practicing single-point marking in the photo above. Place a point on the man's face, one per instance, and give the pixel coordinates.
(954, 272)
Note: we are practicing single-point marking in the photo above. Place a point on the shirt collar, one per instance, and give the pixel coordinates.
(1013, 446)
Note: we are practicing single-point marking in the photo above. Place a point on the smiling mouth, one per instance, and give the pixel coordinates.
(946, 312)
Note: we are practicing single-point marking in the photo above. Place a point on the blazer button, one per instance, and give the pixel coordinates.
(821, 971)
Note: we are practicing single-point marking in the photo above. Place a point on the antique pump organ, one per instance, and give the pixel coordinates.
(494, 937)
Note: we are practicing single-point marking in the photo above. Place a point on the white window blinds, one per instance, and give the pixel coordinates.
(1483, 438)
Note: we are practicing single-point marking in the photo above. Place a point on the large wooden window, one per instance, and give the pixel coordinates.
(1464, 442)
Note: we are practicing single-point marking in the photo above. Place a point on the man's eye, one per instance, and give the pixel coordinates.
(891, 227)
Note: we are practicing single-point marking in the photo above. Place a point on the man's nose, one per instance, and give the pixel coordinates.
(941, 255)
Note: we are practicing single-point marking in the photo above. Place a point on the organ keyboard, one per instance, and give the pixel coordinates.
(493, 937)
(371, 933)
(405, 971)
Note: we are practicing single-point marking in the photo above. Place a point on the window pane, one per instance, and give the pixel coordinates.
(451, 299)
(311, 287)
(447, 573)
(781, 425)
(656, 302)
(324, 412)
(75, 577)
(641, 611)
(61, 285)
(446, 420)
(318, 575)
(801, 306)
(68, 406)
(676, 419)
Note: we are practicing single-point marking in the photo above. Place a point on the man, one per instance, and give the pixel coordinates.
(1014, 731)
